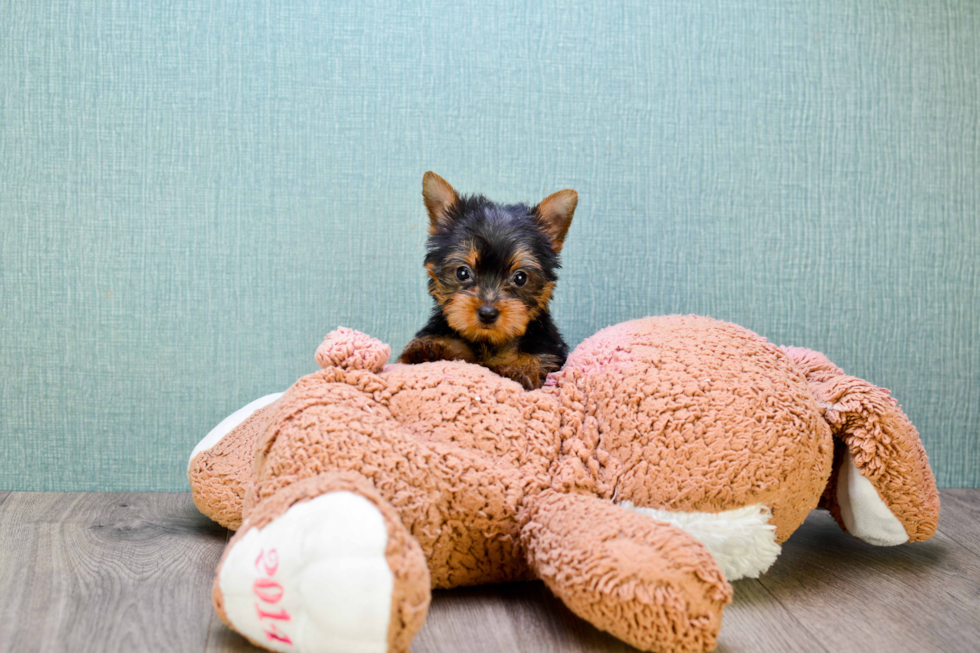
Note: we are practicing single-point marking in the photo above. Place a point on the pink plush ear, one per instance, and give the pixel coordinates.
(352, 350)
(882, 488)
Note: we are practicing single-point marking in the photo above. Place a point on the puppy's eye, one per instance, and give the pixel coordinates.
(520, 278)
(463, 273)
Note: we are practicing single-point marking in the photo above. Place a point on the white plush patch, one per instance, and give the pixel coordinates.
(862, 510)
(315, 579)
(229, 423)
(742, 541)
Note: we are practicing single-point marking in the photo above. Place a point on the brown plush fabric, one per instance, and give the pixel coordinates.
(457, 476)
(493, 483)
(884, 445)
(646, 582)
(219, 475)
(686, 413)
(352, 350)
(410, 593)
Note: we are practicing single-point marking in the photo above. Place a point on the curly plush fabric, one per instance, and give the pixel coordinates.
(681, 418)
(686, 413)
(884, 445)
(352, 350)
(219, 475)
(646, 582)
(457, 474)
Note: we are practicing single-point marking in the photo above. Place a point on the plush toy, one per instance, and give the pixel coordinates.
(668, 457)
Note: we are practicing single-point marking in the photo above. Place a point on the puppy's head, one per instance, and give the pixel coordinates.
(492, 268)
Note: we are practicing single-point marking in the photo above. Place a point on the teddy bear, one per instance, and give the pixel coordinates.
(667, 458)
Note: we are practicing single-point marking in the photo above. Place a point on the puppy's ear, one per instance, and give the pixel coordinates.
(554, 215)
(439, 199)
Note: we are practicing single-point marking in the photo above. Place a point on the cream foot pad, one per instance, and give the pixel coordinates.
(313, 579)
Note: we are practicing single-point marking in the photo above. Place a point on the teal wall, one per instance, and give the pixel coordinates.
(193, 193)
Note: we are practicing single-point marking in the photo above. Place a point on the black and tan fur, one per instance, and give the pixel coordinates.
(492, 271)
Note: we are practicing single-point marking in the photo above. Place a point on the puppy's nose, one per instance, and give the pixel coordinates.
(488, 314)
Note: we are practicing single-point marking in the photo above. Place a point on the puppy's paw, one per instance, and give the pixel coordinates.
(530, 377)
(527, 369)
(433, 348)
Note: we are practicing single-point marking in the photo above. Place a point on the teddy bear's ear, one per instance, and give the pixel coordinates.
(882, 489)
(352, 350)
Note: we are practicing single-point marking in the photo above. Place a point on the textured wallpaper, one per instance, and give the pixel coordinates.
(193, 193)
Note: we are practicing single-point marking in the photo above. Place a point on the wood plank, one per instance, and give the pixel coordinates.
(755, 621)
(851, 596)
(105, 572)
(508, 617)
(526, 617)
(487, 619)
(959, 517)
(827, 592)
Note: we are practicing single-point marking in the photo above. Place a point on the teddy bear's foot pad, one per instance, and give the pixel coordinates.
(313, 579)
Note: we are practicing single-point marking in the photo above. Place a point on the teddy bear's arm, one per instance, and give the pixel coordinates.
(221, 463)
(646, 582)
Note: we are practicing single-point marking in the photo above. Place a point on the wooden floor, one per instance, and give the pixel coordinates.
(132, 572)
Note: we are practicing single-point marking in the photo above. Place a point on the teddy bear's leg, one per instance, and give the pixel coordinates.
(324, 564)
(221, 463)
(881, 488)
(647, 582)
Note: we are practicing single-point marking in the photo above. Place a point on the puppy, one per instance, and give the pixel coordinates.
(492, 272)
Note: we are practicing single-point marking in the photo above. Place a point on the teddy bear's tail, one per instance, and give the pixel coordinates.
(881, 489)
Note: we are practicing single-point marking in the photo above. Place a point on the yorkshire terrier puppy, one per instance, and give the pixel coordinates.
(492, 271)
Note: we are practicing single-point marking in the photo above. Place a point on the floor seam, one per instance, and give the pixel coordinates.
(207, 635)
(792, 616)
(958, 543)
